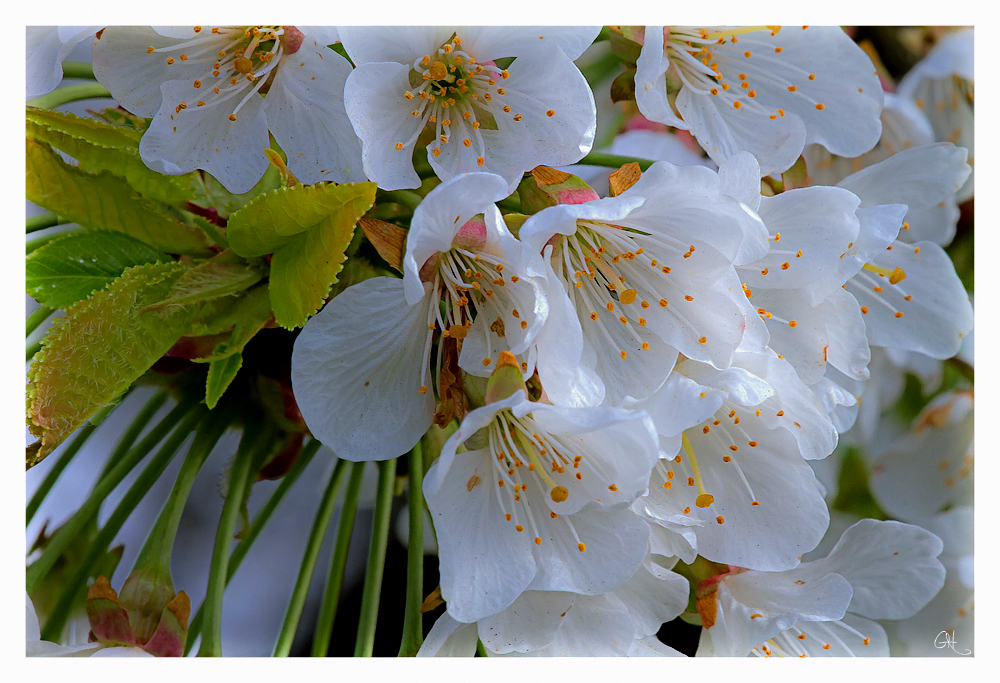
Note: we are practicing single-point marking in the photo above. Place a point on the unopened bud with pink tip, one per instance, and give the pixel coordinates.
(545, 187)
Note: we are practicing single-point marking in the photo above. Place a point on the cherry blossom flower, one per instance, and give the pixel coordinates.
(825, 608)
(539, 501)
(445, 80)
(768, 90)
(942, 86)
(368, 353)
(720, 483)
(47, 48)
(932, 466)
(203, 87)
(619, 623)
(647, 274)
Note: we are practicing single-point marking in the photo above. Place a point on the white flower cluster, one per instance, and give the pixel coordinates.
(642, 379)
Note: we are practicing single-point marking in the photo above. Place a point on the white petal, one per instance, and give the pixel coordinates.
(651, 83)
(688, 203)
(920, 177)
(878, 227)
(619, 448)
(651, 647)
(205, 138)
(403, 44)
(892, 567)
(654, 596)
(528, 624)
(779, 599)
(616, 541)
(123, 65)
(934, 320)
(359, 360)
(723, 130)
(932, 466)
(596, 626)
(324, 35)
(46, 48)
(739, 177)
(449, 638)
(813, 226)
(381, 116)
(484, 563)
(489, 43)
(31, 629)
(679, 403)
(305, 113)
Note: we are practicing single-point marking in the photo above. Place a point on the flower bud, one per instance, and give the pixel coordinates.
(545, 187)
(506, 379)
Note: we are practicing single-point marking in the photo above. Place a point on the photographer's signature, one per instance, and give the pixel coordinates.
(949, 639)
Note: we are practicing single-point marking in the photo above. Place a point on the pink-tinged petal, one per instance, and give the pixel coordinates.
(180, 141)
(108, 619)
(305, 113)
(440, 218)
(362, 358)
(171, 633)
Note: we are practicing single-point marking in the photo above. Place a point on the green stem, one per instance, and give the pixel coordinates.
(259, 522)
(614, 160)
(407, 198)
(329, 503)
(71, 93)
(135, 429)
(31, 350)
(413, 624)
(31, 245)
(481, 649)
(338, 560)
(78, 70)
(239, 480)
(37, 317)
(105, 485)
(159, 543)
(70, 589)
(53, 474)
(41, 222)
(371, 593)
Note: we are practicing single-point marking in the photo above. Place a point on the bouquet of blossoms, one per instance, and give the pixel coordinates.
(658, 338)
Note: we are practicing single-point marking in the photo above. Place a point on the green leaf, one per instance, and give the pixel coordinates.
(220, 374)
(104, 202)
(252, 314)
(102, 345)
(303, 271)
(210, 280)
(68, 269)
(99, 146)
(272, 220)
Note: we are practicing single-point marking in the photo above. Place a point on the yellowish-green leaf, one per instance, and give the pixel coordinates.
(220, 375)
(102, 345)
(99, 146)
(274, 219)
(210, 280)
(303, 271)
(104, 202)
(68, 269)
